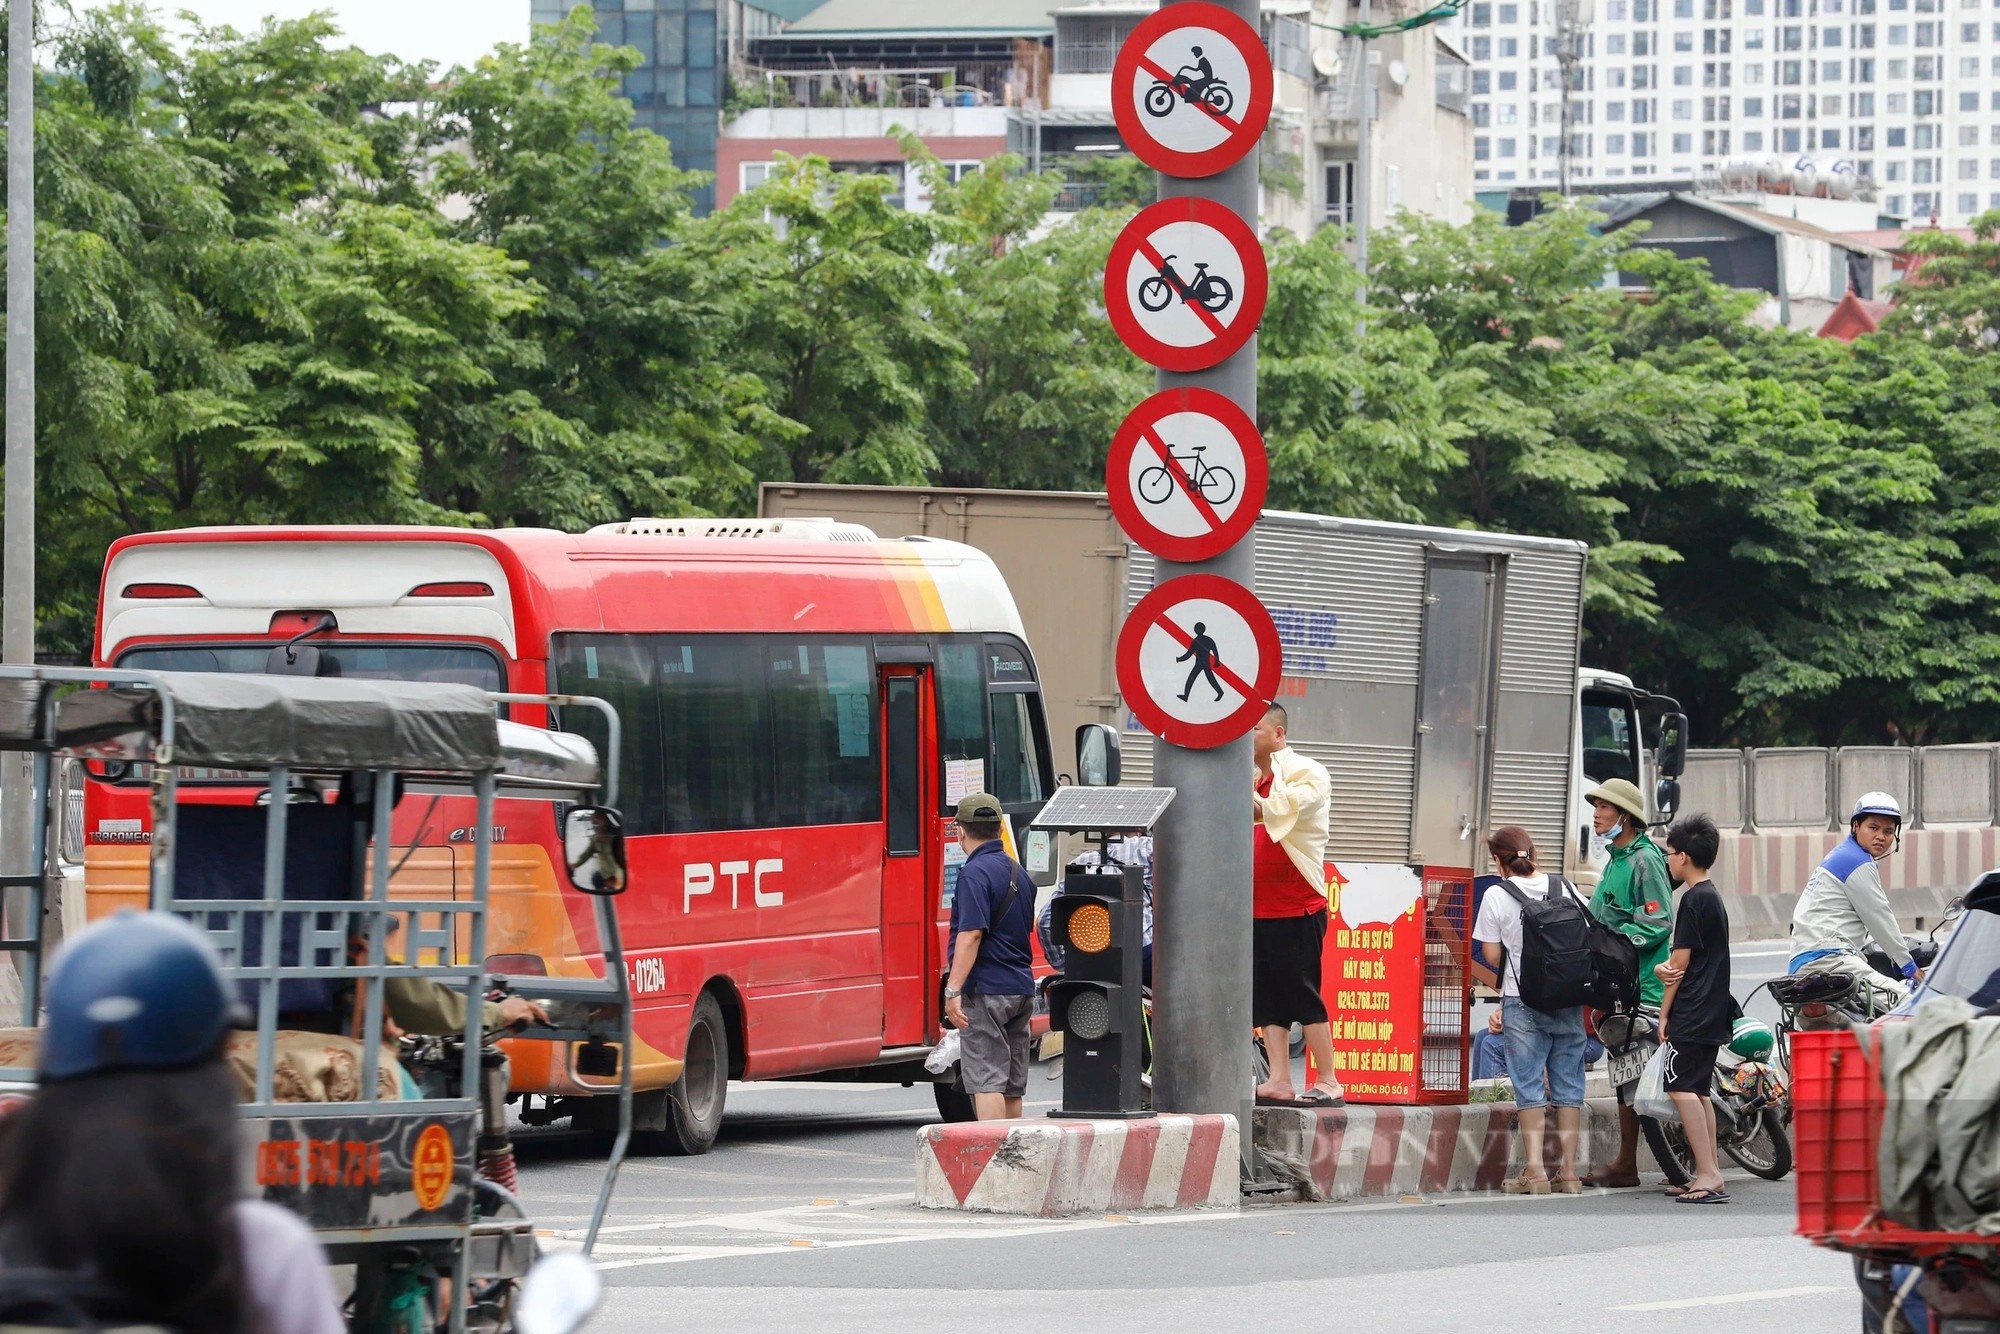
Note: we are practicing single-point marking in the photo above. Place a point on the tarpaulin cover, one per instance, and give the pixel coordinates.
(243, 721)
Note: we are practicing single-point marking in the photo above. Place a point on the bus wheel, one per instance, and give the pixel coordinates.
(693, 1112)
(953, 1102)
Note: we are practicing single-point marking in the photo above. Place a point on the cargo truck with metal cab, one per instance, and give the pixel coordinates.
(1433, 671)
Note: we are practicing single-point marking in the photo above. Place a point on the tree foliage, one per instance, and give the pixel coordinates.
(283, 280)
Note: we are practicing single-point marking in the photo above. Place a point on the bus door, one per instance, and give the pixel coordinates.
(912, 861)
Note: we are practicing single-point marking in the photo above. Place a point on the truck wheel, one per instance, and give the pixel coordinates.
(954, 1104)
(692, 1116)
(1670, 1150)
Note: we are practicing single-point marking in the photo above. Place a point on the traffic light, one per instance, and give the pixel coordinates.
(1100, 923)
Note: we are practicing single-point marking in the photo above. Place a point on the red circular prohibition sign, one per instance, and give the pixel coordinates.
(1134, 65)
(1182, 476)
(1176, 291)
(1166, 608)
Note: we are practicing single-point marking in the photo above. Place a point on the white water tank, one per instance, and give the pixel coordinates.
(1841, 180)
(1805, 176)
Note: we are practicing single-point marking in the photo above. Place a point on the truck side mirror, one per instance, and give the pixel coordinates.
(1098, 756)
(1673, 745)
(594, 849)
(1667, 798)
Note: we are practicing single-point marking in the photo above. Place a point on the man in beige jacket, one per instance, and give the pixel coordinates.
(1289, 907)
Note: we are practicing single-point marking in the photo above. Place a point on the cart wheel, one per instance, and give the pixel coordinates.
(693, 1112)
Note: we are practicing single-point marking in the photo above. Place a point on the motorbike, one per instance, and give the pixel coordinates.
(1749, 1096)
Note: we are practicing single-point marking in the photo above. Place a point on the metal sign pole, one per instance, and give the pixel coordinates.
(1202, 848)
(17, 558)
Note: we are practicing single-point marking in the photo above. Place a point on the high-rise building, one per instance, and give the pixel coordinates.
(1907, 92)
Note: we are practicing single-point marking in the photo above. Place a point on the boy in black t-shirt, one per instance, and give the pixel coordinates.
(1697, 1010)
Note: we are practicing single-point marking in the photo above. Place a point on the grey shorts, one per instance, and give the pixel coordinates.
(993, 1046)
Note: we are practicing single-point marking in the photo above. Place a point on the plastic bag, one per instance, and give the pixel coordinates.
(945, 1055)
(1651, 1097)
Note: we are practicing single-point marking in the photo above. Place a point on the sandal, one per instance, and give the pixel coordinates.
(1525, 1186)
(1608, 1181)
(1568, 1186)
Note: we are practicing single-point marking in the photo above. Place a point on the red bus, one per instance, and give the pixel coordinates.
(802, 704)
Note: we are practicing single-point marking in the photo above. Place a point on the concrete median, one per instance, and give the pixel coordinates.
(1049, 1168)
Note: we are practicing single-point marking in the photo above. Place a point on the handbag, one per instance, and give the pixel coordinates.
(1651, 1098)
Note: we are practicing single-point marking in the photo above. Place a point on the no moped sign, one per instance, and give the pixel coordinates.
(1191, 90)
(1187, 474)
(1186, 283)
(1199, 661)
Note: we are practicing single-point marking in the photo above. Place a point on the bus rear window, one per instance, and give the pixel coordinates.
(439, 663)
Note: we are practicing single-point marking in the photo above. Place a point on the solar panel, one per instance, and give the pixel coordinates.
(1078, 809)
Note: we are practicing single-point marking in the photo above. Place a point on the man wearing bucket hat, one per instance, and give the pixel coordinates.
(1634, 897)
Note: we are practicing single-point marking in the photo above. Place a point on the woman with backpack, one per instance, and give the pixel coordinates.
(1545, 1049)
(119, 1189)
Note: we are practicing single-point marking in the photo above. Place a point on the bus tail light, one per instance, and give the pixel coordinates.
(451, 590)
(160, 591)
(520, 965)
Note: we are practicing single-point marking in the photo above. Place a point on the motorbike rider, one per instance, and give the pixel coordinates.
(1634, 897)
(1844, 904)
(119, 1186)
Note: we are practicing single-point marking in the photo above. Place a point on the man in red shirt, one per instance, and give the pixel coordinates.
(1289, 908)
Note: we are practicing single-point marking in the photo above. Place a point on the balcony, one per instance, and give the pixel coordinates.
(928, 122)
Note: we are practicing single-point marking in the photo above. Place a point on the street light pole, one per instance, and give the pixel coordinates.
(17, 544)
(1364, 162)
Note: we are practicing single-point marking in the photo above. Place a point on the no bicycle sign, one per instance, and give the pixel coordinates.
(1187, 474)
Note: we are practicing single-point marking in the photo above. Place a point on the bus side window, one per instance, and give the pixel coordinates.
(1015, 774)
(962, 708)
(618, 669)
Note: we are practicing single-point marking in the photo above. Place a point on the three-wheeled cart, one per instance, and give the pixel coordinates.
(394, 1148)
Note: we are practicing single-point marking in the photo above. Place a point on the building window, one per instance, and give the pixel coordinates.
(1642, 44)
(1896, 104)
(1829, 138)
(1683, 76)
(1509, 48)
(1507, 114)
(1968, 203)
(1864, 105)
(1683, 9)
(1788, 107)
(1482, 48)
(1614, 111)
(1683, 143)
(1968, 169)
(1715, 43)
(1898, 137)
(1894, 205)
(1864, 138)
(1510, 14)
(1788, 141)
(1482, 115)
(1715, 108)
(1894, 172)
(1509, 81)
(1790, 74)
(1930, 34)
(1753, 107)
(1505, 148)
(1683, 41)
(1614, 45)
(1715, 143)
(1927, 69)
(1829, 71)
(1864, 36)
(1924, 103)
(1684, 108)
(1482, 148)
(1899, 69)
(1482, 16)
(1924, 171)
(1616, 11)
(1641, 145)
(1968, 136)
(1482, 82)
(1864, 72)
(1614, 143)
(1753, 141)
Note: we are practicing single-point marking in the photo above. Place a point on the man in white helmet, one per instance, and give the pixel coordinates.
(1844, 904)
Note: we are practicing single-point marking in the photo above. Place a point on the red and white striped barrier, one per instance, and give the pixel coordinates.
(1358, 1152)
(1053, 1168)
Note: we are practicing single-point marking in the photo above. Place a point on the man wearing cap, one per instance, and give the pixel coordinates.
(1635, 897)
(989, 991)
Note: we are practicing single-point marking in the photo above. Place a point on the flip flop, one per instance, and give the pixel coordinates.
(1598, 1181)
(1703, 1197)
(1319, 1097)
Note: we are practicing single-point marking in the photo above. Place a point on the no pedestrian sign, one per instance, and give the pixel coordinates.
(1187, 474)
(1191, 90)
(1185, 284)
(1198, 661)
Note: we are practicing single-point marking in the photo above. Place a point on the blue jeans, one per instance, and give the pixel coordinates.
(1544, 1054)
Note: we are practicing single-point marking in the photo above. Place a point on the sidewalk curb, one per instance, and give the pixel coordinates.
(1055, 1168)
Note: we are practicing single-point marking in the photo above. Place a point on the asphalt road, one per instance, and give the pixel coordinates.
(800, 1217)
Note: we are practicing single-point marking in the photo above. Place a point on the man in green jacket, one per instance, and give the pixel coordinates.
(1634, 896)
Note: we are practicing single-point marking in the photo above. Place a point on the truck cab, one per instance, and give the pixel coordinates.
(1610, 743)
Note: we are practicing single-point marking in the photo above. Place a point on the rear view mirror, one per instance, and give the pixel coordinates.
(1953, 910)
(1098, 756)
(292, 660)
(1673, 745)
(1667, 798)
(594, 849)
(559, 1294)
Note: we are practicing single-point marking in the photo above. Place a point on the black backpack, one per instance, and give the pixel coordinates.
(1561, 944)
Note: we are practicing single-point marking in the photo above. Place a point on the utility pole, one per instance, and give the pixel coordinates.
(1573, 18)
(1201, 963)
(17, 545)
(1364, 163)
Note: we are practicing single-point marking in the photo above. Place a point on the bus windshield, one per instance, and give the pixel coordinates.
(450, 664)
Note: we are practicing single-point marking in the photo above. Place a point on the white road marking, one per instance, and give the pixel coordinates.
(1726, 1299)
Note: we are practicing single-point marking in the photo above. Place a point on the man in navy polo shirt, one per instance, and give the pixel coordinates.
(990, 990)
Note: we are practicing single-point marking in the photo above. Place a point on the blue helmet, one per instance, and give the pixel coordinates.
(138, 991)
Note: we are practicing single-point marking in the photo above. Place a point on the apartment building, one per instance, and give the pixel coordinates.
(1905, 92)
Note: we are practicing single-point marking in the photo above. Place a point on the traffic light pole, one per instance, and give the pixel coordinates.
(1202, 847)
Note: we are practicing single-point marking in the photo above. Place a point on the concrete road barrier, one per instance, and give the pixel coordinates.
(1048, 1168)
(1360, 1152)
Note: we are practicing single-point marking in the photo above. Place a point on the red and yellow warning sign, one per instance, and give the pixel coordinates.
(431, 1166)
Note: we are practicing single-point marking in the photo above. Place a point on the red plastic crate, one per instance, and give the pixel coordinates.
(1836, 1125)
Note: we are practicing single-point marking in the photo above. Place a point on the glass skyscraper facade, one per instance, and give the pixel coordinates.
(677, 89)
